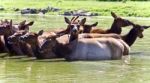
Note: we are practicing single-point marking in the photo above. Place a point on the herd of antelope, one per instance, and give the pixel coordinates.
(79, 41)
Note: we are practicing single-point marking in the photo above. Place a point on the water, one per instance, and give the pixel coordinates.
(29, 70)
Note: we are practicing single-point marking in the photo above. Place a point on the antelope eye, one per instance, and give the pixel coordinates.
(125, 20)
(71, 26)
(142, 29)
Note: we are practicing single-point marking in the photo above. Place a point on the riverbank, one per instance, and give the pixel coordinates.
(129, 8)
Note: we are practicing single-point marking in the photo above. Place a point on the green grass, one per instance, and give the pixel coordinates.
(130, 8)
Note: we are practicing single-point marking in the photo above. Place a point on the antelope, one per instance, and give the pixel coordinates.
(35, 40)
(115, 28)
(5, 32)
(75, 21)
(134, 33)
(129, 38)
(19, 47)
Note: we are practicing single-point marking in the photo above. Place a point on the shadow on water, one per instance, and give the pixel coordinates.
(24, 58)
(136, 53)
(42, 60)
(11, 56)
(31, 59)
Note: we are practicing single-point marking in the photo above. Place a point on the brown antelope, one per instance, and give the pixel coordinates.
(22, 26)
(19, 47)
(136, 31)
(11, 29)
(115, 28)
(72, 21)
(85, 48)
(129, 38)
(75, 21)
(5, 29)
(35, 40)
(3, 49)
(32, 39)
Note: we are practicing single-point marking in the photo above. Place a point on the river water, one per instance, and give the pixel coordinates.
(28, 70)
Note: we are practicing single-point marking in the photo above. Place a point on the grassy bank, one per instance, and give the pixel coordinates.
(139, 9)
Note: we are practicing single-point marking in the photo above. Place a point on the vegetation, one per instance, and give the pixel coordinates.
(129, 8)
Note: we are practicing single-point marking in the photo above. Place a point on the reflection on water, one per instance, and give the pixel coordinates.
(35, 71)
(29, 70)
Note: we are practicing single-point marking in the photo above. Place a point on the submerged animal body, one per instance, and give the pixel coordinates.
(97, 49)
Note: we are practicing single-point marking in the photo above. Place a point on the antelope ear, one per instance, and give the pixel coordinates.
(6, 21)
(30, 23)
(113, 15)
(40, 32)
(95, 24)
(22, 23)
(10, 23)
(83, 21)
(67, 20)
(145, 27)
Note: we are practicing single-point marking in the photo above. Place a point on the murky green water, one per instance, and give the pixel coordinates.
(29, 70)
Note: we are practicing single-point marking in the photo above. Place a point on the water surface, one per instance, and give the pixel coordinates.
(29, 70)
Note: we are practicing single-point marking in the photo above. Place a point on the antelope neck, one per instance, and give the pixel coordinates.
(73, 37)
(130, 37)
(114, 29)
